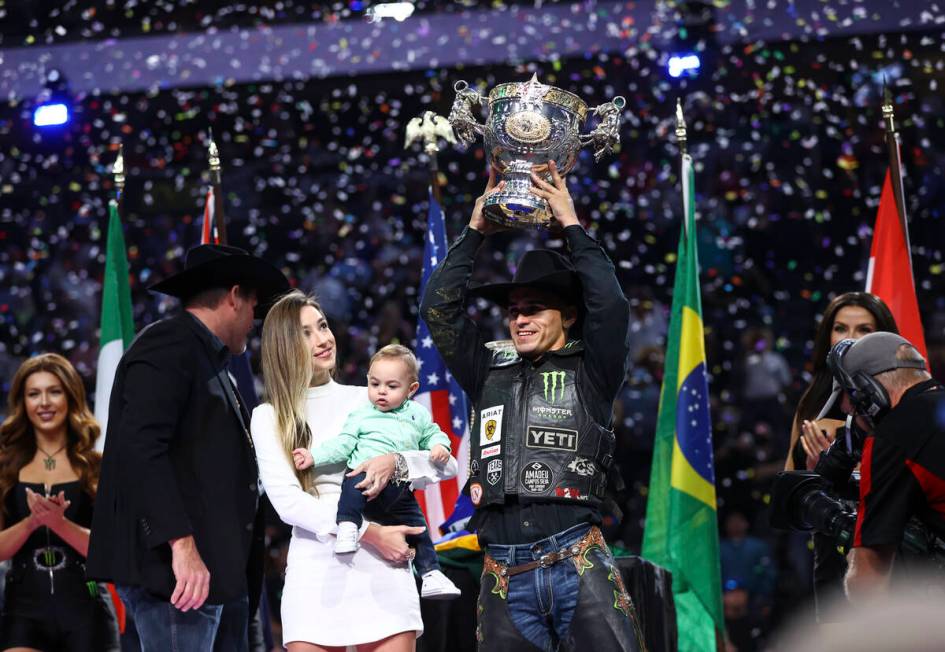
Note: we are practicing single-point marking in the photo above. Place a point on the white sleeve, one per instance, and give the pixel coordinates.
(294, 506)
(422, 471)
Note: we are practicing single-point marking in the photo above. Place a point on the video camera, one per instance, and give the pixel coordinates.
(824, 500)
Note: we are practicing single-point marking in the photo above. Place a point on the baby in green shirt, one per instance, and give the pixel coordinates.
(389, 424)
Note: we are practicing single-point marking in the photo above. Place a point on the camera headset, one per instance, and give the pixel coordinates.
(868, 396)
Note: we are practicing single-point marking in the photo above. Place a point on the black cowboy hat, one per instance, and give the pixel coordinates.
(542, 269)
(220, 266)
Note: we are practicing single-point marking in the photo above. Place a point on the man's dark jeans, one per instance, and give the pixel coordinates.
(395, 505)
(164, 628)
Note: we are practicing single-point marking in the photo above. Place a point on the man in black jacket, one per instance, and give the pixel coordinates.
(176, 524)
(540, 439)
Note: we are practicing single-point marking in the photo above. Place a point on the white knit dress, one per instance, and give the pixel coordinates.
(329, 600)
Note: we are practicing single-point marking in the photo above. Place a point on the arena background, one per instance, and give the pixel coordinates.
(784, 127)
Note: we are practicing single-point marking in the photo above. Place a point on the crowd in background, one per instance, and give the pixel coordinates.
(788, 145)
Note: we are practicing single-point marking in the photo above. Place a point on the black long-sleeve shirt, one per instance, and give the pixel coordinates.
(606, 336)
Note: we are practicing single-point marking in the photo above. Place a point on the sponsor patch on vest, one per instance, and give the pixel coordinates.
(490, 425)
(494, 471)
(553, 385)
(569, 492)
(475, 493)
(559, 439)
(473, 468)
(582, 466)
(537, 477)
(490, 451)
(551, 413)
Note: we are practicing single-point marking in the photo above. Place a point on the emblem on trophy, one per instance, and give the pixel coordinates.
(530, 124)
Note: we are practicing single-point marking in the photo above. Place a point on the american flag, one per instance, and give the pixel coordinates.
(240, 368)
(439, 391)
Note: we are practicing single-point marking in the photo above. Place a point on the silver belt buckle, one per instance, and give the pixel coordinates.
(49, 558)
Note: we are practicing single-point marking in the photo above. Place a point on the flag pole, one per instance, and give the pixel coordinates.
(895, 163)
(682, 139)
(432, 149)
(118, 169)
(216, 183)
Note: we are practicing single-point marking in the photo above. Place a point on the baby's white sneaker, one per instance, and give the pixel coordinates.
(347, 538)
(437, 586)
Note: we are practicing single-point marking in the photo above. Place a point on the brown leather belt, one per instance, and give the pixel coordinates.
(593, 537)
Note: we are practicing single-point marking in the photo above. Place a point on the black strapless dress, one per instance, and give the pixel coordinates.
(48, 603)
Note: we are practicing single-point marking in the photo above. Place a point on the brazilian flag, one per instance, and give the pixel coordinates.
(681, 531)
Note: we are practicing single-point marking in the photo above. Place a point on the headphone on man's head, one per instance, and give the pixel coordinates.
(869, 398)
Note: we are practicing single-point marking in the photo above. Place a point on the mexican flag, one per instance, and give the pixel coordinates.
(117, 323)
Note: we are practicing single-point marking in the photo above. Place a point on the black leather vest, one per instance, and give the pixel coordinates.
(531, 435)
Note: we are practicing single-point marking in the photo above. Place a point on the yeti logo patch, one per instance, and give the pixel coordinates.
(559, 439)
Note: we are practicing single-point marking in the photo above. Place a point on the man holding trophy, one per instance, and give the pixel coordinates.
(541, 445)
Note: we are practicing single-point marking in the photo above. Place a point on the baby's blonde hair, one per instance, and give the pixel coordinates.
(403, 353)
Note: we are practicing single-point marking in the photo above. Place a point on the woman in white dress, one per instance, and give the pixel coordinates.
(368, 600)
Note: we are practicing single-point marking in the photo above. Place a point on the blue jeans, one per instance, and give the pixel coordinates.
(579, 603)
(395, 505)
(164, 628)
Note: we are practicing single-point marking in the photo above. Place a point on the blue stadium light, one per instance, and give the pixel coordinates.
(51, 114)
(680, 64)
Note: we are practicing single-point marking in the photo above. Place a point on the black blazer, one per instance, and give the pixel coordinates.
(178, 461)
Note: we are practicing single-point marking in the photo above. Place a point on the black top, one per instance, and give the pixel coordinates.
(606, 337)
(16, 509)
(902, 473)
(178, 461)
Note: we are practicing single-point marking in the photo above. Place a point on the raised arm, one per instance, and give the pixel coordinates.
(293, 505)
(606, 327)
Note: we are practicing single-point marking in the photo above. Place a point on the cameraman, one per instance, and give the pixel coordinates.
(901, 409)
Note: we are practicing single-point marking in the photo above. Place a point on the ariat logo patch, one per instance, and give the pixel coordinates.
(553, 385)
(494, 472)
(537, 477)
(558, 439)
(490, 425)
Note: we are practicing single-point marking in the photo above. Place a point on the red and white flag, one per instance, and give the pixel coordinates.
(209, 234)
(889, 275)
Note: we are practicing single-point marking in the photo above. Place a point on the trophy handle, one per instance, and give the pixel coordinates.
(607, 133)
(461, 117)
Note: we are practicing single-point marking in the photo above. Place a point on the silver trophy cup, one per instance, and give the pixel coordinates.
(529, 125)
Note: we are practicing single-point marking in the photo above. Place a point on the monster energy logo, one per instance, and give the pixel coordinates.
(550, 380)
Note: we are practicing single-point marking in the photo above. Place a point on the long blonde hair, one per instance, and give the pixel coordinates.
(18, 441)
(287, 372)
